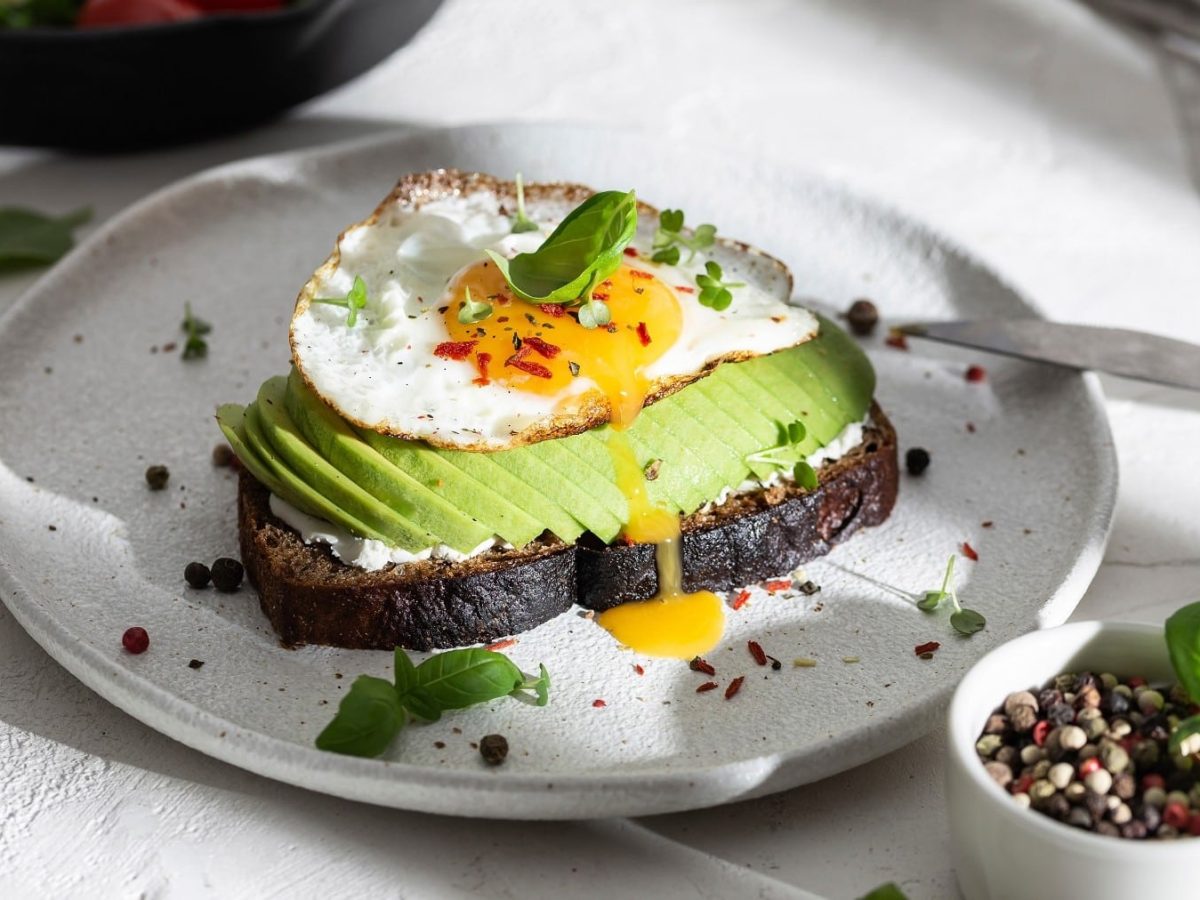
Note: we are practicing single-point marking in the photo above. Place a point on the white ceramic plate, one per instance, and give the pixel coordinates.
(87, 551)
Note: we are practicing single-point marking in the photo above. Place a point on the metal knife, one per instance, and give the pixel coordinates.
(1118, 351)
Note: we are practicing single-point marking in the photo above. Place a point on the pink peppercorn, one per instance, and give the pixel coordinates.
(1040, 730)
(135, 640)
(1176, 815)
(1153, 780)
(1088, 766)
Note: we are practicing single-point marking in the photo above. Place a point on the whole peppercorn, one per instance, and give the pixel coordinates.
(1061, 713)
(1121, 814)
(1079, 817)
(1097, 804)
(1134, 830)
(135, 640)
(1124, 786)
(1119, 728)
(227, 574)
(1058, 806)
(1041, 791)
(1047, 697)
(1099, 781)
(1115, 703)
(1031, 753)
(1072, 737)
(1114, 757)
(493, 748)
(1009, 755)
(1154, 797)
(157, 477)
(1017, 700)
(1001, 774)
(1060, 775)
(1145, 754)
(197, 575)
(1023, 718)
(1089, 697)
(862, 317)
(916, 460)
(1150, 702)
(987, 745)
(996, 724)
(222, 455)
(1075, 791)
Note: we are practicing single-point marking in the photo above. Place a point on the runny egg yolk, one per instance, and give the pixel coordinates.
(553, 348)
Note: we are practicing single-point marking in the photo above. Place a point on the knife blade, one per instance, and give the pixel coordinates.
(1118, 351)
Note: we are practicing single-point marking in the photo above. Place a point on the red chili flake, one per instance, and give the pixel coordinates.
(599, 704)
(781, 585)
(1176, 815)
(518, 361)
(975, 374)
(896, 339)
(927, 647)
(643, 334)
(740, 600)
(1040, 731)
(637, 668)
(500, 645)
(1088, 766)
(757, 652)
(969, 552)
(734, 686)
(701, 665)
(1022, 785)
(685, 289)
(481, 363)
(454, 349)
(599, 295)
(1153, 780)
(631, 251)
(544, 348)
(135, 640)
(553, 310)
(970, 428)
(707, 686)
(638, 273)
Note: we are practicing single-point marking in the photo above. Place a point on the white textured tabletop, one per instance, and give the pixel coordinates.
(1056, 148)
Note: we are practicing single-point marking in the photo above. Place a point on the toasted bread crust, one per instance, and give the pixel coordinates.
(312, 598)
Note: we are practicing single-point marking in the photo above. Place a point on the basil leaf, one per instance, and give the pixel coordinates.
(1185, 739)
(406, 672)
(967, 621)
(367, 720)
(584, 249)
(29, 238)
(461, 678)
(1183, 645)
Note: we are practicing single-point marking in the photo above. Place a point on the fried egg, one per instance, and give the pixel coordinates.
(409, 368)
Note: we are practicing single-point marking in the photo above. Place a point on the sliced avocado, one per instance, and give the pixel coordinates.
(684, 476)
(298, 487)
(842, 369)
(725, 427)
(795, 385)
(536, 504)
(692, 437)
(466, 493)
(591, 468)
(231, 421)
(743, 393)
(540, 476)
(282, 434)
(593, 445)
(722, 401)
(342, 447)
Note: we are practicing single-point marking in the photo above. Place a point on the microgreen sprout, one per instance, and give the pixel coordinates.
(786, 454)
(1183, 646)
(593, 313)
(714, 292)
(964, 621)
(473, 310)
(355, 299)
(195, 328)
(670, 237)
(522, 223)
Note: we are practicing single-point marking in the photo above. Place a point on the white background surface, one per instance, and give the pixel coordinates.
(1051, 145)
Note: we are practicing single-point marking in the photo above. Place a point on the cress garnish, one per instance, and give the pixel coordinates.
(785, 454)
(355, 299)
(372, 714)
(473, 310)
(522, 223)
(964, 621)
(670, 237)
(715, 292)
(195, 346)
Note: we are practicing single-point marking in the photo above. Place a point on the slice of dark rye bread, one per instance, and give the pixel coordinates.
(313, 598)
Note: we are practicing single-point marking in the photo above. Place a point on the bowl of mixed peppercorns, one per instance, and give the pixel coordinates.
(1074, 763)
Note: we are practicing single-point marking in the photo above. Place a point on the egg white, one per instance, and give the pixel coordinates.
(382, 373)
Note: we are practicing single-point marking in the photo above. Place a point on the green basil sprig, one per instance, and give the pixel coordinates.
(373, 712)
(581, 252)
(29, 238)
(1183, 646)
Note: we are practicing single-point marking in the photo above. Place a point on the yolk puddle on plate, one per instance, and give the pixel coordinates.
(541, 349)
(671, 623)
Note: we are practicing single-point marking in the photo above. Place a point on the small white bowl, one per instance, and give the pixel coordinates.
(1003, 851)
